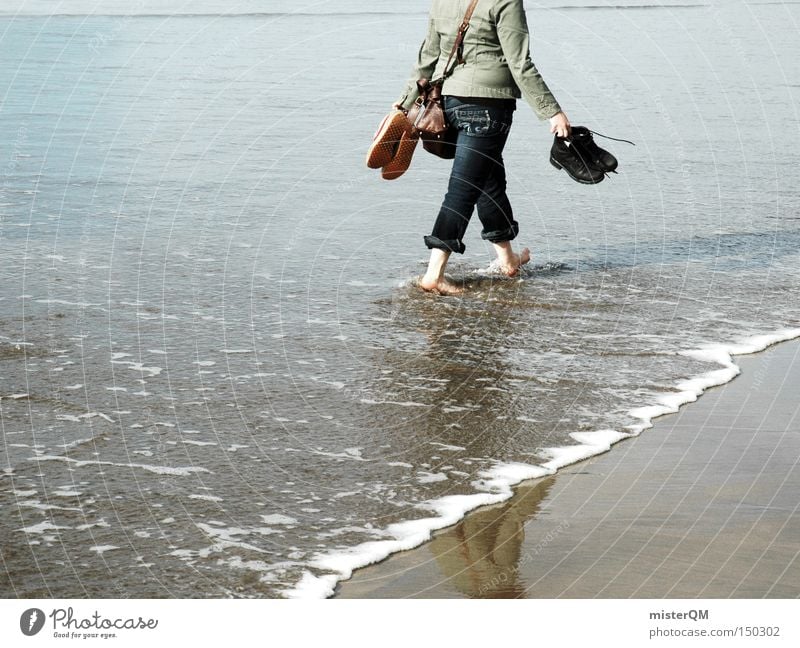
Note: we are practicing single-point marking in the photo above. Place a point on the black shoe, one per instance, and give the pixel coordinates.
(564, 154)
(599, 158)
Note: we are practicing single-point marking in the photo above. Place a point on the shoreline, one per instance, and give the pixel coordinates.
(700, 505)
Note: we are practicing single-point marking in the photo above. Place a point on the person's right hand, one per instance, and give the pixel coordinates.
(559, 124)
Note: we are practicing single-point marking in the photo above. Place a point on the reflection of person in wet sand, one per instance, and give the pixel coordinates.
(481, 555)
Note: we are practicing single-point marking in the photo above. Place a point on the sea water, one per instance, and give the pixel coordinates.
(218, 378)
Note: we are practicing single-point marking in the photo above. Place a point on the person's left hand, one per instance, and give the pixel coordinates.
(397, 106)
(559, 124)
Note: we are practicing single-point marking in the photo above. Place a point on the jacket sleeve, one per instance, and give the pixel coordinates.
(427, 58)
(512, 30)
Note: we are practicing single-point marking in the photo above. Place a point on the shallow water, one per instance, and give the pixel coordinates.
(215, 367)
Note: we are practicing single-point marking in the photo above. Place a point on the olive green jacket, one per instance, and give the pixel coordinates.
(497, 61)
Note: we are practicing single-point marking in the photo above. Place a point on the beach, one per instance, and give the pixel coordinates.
(702, 505)
(219, 378)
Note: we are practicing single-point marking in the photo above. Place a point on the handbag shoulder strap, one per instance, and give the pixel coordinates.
(458, 47)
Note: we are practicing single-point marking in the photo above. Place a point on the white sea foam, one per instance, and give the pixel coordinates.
(37, 504)
(444, 446)
(223, 539)
(430, 478)
(410, 534)
(177, 471)
(68, 417)
(101, 549)
(348, 453)
(453, 409)
(495, 485)
(313, 587)
(62, 302)
(687, 391)
(277, 518)
(100, 524)
(207, 498)
(43, 527)
(139, 366)
(230, 534)
(66, 493)
(235, 447)
(590, 444)
(356, 283)
(369, 401)
(345, 494)
(251, 565)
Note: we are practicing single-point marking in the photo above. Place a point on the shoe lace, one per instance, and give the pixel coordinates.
(616, 139)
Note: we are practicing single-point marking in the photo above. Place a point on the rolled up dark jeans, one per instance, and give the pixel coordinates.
(478, 177)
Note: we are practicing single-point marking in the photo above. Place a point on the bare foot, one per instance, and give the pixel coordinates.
(439, 286)
(515, 262)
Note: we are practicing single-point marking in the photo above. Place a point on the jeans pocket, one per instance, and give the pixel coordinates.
(480, 121)
(475, 121)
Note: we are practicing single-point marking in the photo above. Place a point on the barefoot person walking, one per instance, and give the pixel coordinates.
(479, 100)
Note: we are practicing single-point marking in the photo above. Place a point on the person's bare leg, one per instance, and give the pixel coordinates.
(434, 280)
(510, 262)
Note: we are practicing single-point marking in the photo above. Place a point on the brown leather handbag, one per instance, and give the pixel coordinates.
(427, 114)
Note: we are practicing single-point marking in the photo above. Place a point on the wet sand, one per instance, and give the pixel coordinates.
(704, 504)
